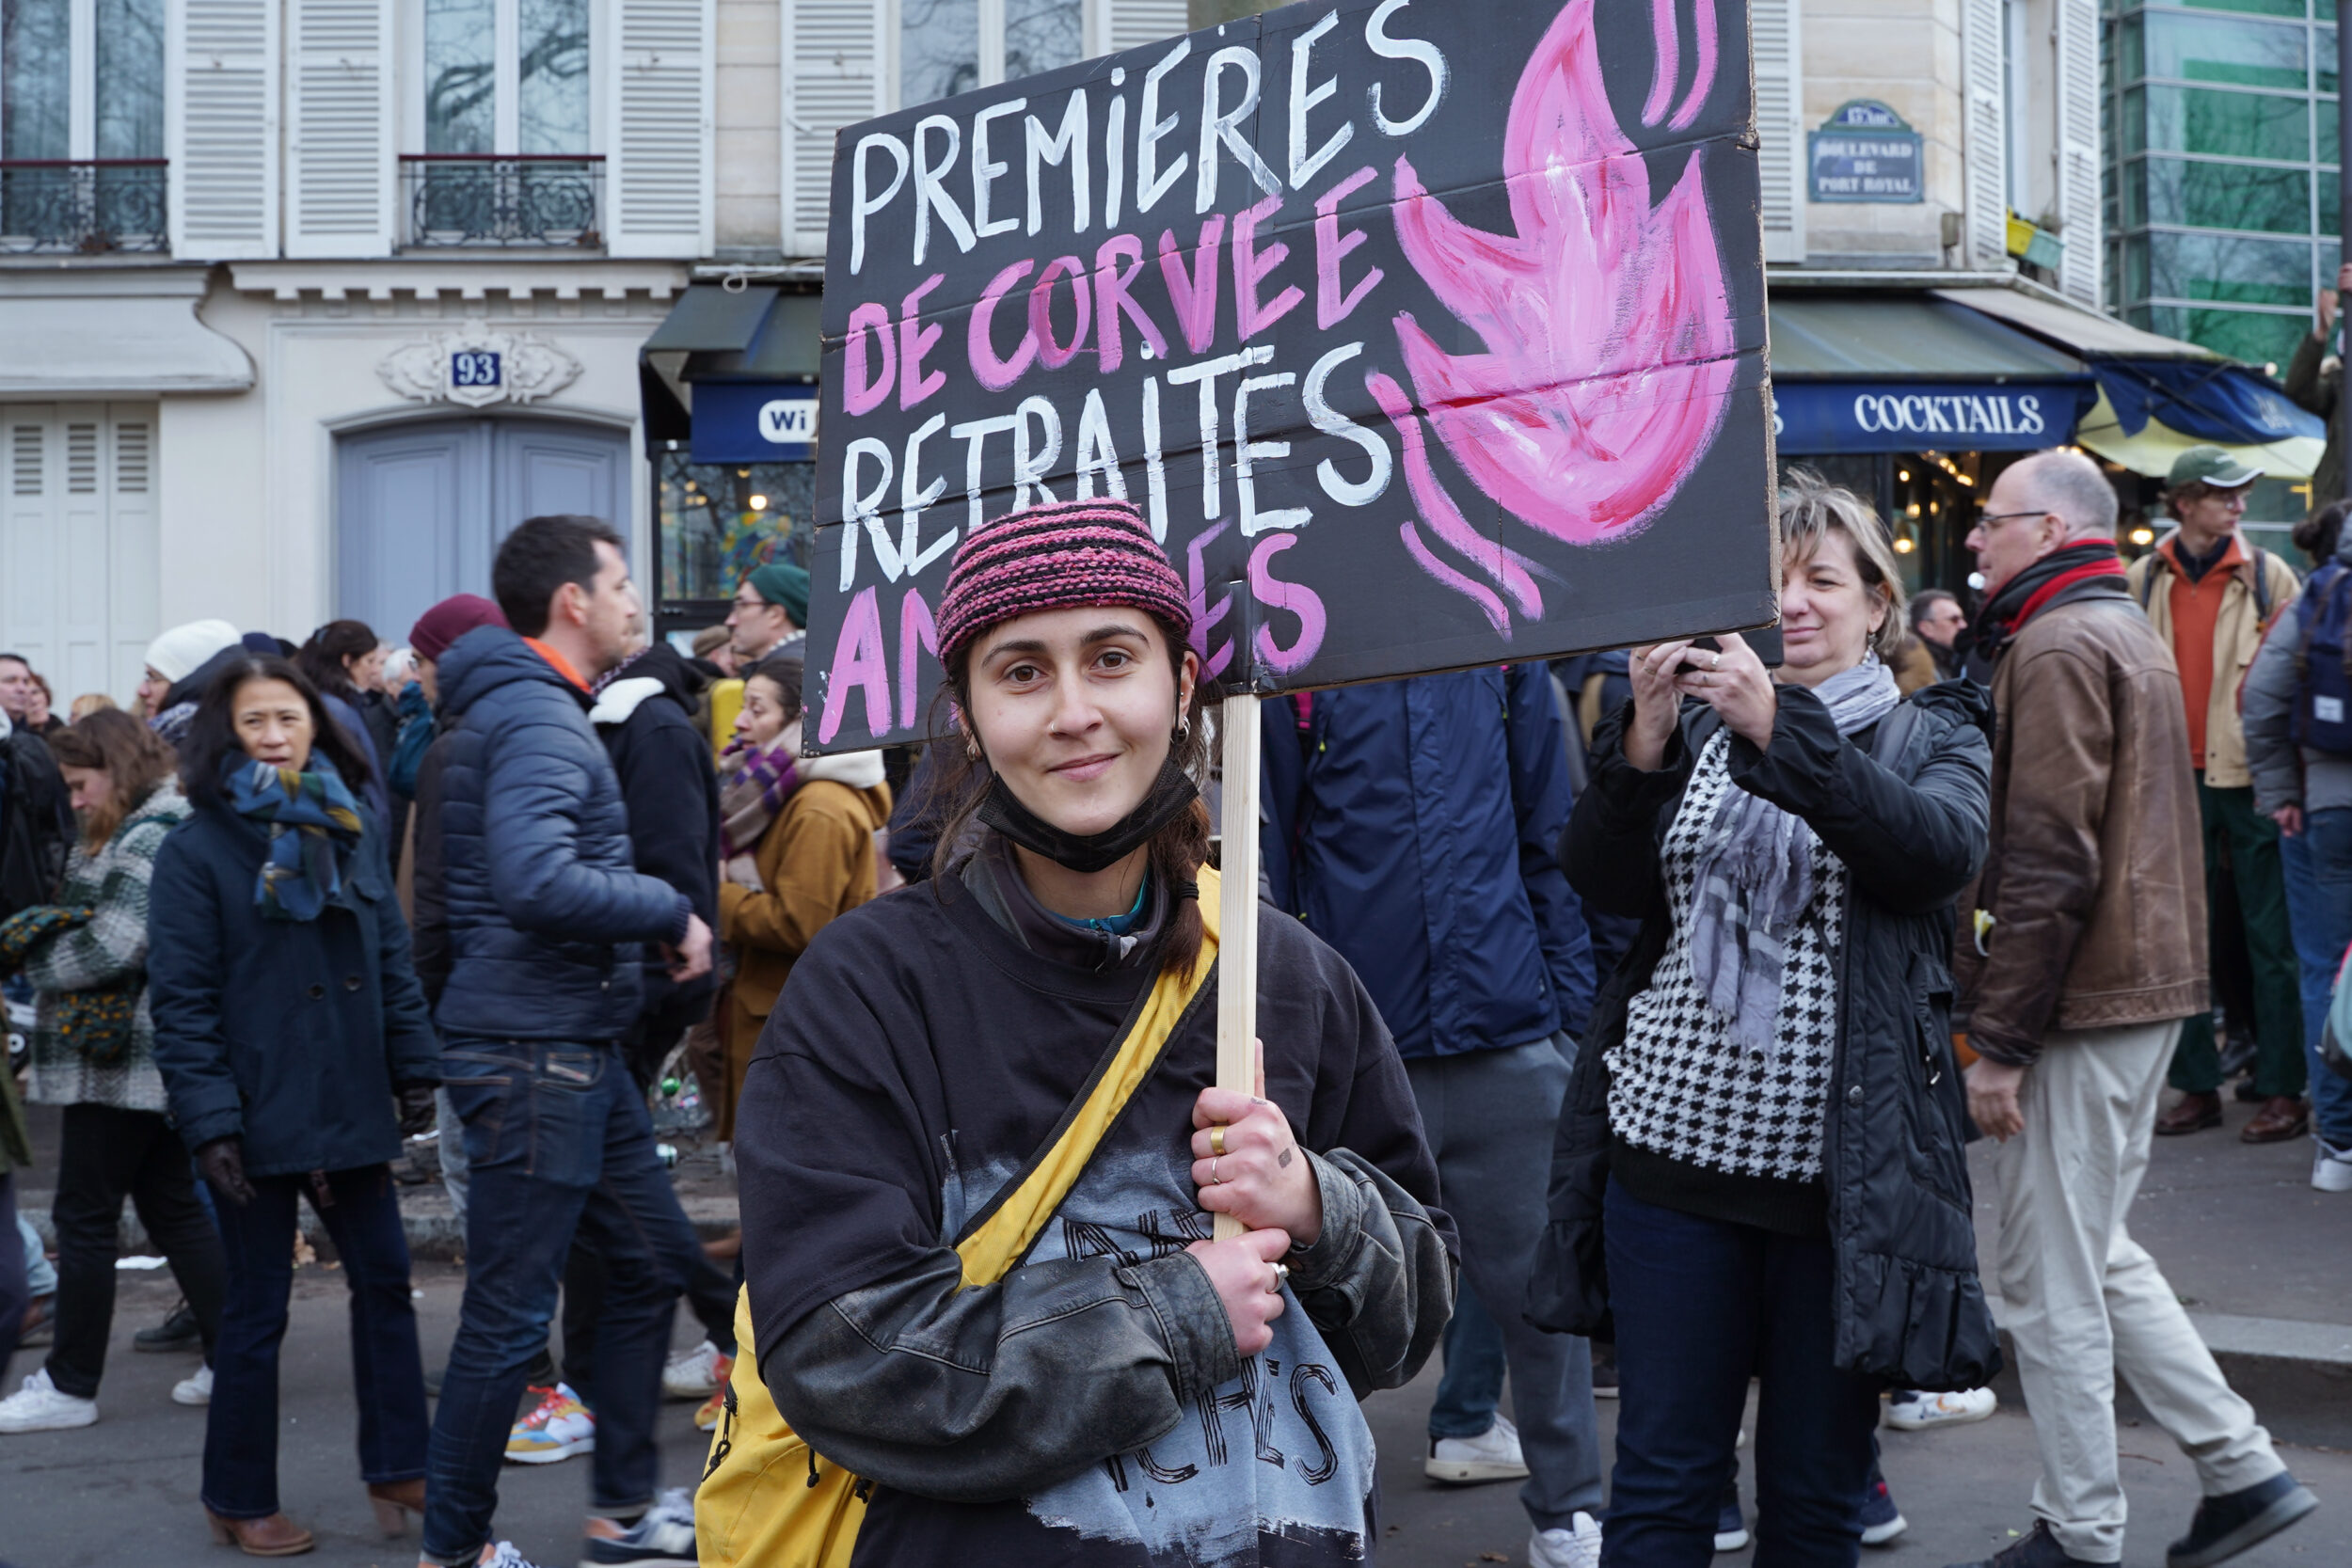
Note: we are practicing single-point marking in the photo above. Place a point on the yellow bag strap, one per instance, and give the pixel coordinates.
(1004, 1233)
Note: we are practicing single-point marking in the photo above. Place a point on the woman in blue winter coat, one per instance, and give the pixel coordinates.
(287, 1019)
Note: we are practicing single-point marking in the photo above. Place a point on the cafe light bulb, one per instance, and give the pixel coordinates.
(759, 503)
(2143, 535)
(1904, 475)
(1904, 545)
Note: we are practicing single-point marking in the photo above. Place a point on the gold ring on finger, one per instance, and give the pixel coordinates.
(1216, 1141)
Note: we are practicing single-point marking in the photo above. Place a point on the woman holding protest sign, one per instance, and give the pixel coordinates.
(1760, 1170)
(981, 1153)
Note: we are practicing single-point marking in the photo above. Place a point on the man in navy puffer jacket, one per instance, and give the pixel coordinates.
(544, 917)
(1411, 826)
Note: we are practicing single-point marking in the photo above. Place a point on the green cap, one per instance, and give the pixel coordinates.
(2211, 466)
(780, 582)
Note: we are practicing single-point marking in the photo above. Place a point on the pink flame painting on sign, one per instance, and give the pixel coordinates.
(1608, 326)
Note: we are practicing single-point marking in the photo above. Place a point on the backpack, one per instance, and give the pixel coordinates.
(2322, 719)
(2262, 586)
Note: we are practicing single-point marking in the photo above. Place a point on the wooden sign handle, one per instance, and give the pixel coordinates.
(1237, 943)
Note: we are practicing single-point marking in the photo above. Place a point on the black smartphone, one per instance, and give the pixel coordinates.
(1698, 644)
(1764, 644)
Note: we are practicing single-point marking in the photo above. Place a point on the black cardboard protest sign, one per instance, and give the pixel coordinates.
(1427, 333)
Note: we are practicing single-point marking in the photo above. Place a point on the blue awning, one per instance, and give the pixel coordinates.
(1811, 417)
(2211, 400)
(1906, 373)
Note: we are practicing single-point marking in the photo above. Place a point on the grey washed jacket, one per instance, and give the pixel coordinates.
(113, 880)
(944, 1392)
(2284, 773)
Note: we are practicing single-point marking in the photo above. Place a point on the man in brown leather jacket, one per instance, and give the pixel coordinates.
(2082, 952)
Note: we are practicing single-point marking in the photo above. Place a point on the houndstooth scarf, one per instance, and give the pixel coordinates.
(1754, 877)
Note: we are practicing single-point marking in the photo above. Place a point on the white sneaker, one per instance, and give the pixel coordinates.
(664, 1538)
(695, 1374)
(2331, 1167)
(194, 1391)
(39, 1407)
(1922, 1411)
(1579, 1547)
(498, 1554)
(1492, 1455)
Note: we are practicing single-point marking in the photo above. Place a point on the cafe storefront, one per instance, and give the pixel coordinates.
(1918, 397)
(728, 384)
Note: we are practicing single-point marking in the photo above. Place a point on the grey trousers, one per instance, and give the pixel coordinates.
(2085, 1301)
(1490, 1117)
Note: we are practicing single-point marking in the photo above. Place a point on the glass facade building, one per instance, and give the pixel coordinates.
(2221, 188)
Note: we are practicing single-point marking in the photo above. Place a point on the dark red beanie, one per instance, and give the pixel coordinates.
(450, 620)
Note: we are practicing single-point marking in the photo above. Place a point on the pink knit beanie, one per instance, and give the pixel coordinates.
(1053, 557)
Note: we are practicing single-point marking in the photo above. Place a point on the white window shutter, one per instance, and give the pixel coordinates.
(1776, 42)
(659, 194)
(2078, 149)
(1135, 22)
(1984, 120)
(221, 127)
(339, 153)
(831, 78)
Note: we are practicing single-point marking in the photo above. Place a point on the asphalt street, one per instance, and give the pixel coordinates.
(124, 1491)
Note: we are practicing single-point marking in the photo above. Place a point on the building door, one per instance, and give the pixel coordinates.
(420, 508)
(78, 544)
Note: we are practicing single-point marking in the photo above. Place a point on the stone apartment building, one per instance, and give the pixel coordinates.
(1936, 259)
(303, 301)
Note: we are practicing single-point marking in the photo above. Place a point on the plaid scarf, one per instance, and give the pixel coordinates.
(313, 823)
(1755, 877)
(753, 783)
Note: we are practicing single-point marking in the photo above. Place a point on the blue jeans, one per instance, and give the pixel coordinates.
(1471, 1389)
(557, 1144)
(1701, 1306)
(2318, 864)
(1489, 1117)
(41, 1275)
(362, 1218)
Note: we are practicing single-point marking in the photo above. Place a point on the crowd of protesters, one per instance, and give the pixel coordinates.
(1656, 1083)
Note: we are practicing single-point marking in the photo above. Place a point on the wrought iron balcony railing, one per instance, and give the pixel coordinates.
(463, 199)
(84, 207)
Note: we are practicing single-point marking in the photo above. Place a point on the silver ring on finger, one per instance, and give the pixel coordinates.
(1282, 1277)
(1214, 1179)
(1715, 659)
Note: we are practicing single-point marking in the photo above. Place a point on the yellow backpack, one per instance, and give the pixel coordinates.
(765, 1498)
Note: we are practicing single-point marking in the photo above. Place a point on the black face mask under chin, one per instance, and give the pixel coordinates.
(1172, 792)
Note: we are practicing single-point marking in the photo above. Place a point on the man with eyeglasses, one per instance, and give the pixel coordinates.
(2077, 955)
(771, 610)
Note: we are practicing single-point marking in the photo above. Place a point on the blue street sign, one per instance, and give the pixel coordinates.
(1865, 152)
(476, 368)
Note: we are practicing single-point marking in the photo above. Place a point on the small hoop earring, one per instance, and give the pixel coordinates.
(1183, 725)
(970, 747)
